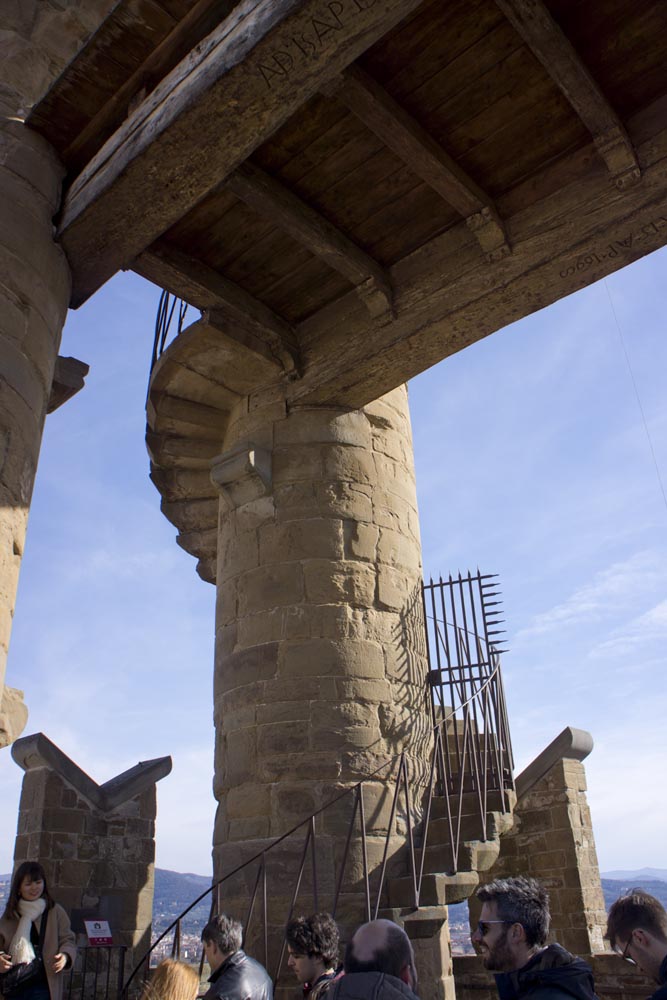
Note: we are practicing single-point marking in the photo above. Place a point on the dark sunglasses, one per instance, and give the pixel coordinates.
(483, 925)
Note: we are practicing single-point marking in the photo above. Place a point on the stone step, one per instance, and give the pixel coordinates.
(473, 855)
(436, 889)
(470, 828)
(469, 804)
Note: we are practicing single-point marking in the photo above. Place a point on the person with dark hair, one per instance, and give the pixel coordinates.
(379, 964)
(312, 948)
(234, 975)
(511, 937)
(637, 931)
(35, 932)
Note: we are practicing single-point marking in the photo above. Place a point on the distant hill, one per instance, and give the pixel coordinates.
(640, 873)
(613, 888)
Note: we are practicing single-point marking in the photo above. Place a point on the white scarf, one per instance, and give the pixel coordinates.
(21, 948)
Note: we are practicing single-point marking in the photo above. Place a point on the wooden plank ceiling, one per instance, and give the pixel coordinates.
(350, 190)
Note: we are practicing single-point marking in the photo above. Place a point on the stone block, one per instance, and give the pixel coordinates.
(360, 540)
(236, 757)
(249, 516)
(313, 765)
(248, 800)
(397, 550)
(312, 657)
(297, 689)
(284, 711)
(317, 424)
(309, 538)
(280, 738)
(243, 829)
(349, 464)
(329, 582)
(270, 587)
(362, 689)
(226, 601)
(246, 666)
(394, 588)
(323, 621)
(291, 803)
(266, 626)
(238, 551)
(291, 465)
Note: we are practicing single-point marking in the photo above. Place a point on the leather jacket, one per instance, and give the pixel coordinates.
(240, 978)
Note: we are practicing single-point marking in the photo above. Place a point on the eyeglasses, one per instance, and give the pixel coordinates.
(483, 925)
(624, 953)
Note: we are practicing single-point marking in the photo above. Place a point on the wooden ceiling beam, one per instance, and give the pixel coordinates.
(221, 102)
(549, 44)
(201, 19)
(271, 199)
(224, 305)
(371, 103)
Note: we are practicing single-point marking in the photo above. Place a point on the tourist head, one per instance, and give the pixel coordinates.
(382, 946)
(637, 931)
(29, 883)
(173, 980)
(513, 924)
(312, 946)
(221, 937)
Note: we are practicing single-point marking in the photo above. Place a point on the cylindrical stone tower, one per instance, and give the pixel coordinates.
(34, 295)
(320, 667)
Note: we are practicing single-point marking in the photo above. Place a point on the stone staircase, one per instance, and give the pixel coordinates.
(442, 882)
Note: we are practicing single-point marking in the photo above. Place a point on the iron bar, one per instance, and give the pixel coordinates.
(364, 852)
(390, 827)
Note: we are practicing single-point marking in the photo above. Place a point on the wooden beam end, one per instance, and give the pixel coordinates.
(378, 297)
(617, 151)
(490, 233)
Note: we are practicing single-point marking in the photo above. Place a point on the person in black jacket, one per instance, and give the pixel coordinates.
(312, 948)
(637, 931)
(234, 975)
(511, 938)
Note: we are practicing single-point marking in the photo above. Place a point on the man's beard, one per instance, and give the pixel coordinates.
(499, 958)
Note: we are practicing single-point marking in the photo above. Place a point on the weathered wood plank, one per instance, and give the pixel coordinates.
(386, 118)
(270, 198)
(546, 40)
(569, 238)
(199, 20)
(225, 305)
(206, 118)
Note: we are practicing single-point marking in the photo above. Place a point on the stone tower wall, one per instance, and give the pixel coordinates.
(320, 667)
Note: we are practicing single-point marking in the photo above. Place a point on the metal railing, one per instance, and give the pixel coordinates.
(97, 973)
(470, 752)
(168, 308)
(462, 617)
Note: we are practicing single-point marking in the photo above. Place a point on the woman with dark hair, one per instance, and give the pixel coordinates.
(32, 927)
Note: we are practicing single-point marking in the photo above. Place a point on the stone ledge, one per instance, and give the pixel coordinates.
(38, 751)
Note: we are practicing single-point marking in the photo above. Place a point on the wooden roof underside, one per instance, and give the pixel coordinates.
(351, 190)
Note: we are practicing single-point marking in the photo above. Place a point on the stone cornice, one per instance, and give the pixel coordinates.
(571, 744)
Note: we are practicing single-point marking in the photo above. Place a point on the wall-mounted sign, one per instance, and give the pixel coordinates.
(99, 933)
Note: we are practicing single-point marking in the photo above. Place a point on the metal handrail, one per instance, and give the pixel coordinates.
(166, 309)
(440, 773)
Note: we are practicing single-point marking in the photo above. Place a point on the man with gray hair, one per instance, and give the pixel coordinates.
(379, 965)
(234, 975)
(511, 937)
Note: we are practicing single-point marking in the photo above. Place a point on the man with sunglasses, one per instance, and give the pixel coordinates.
(511, 938)
(637, 931)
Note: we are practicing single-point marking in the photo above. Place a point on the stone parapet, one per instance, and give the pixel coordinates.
(552, 840)
(96, 842)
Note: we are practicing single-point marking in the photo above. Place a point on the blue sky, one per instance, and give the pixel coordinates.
(532, 462)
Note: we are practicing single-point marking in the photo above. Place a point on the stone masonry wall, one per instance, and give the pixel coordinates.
(98, 865)
(552, 840)
(320, 667)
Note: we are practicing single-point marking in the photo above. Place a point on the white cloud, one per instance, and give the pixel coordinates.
(607, 594)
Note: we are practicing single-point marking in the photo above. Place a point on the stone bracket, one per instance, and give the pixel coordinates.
(38, 751)
(242, 475)
(489, 232)
(68, 378)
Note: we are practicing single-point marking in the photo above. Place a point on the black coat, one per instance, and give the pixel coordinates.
(553, 974)
(661, 992)
(240, 978)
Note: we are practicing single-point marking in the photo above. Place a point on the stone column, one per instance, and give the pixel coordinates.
(320, 669)
(34, 294)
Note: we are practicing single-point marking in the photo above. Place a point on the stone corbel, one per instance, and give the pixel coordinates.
(242, 475)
